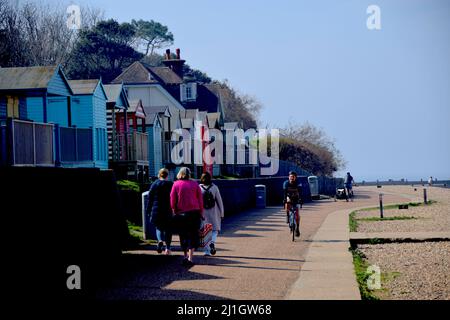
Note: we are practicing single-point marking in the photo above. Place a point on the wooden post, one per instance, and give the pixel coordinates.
(425, 196)
(381, 205)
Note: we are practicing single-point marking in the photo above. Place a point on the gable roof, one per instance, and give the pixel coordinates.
(23, 78)
(165, 75)
(139, 72)
(84, 86)
(137, 108)
(214, 119)
(135, 73)
(115, 93)
(151, 116)
(163, 110)
(112, 91)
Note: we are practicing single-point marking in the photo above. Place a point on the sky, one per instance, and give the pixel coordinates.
(382, 95)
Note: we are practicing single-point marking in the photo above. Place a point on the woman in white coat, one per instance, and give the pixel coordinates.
(213, 209)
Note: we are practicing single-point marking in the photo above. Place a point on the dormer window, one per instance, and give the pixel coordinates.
(188, 91)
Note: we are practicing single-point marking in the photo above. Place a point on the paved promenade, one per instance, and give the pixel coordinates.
(255, 259)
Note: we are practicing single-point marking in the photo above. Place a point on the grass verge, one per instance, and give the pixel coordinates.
(353, 221)
(361, 265)
(353, 224)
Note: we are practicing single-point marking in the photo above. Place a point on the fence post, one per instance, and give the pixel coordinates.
(57, 145)
(76, 144)
(381, 205)
(10, 143)
(34, 143)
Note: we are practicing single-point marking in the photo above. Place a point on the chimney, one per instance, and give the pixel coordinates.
(176, 65)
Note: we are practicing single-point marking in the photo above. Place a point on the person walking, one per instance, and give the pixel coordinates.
(187, 205)
(159, 210)
(213, 209)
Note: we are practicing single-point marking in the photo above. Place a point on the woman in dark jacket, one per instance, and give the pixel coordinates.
(159, 209)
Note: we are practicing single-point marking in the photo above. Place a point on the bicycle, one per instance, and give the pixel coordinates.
(292, 221)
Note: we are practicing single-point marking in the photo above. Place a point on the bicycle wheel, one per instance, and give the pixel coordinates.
(293, 231)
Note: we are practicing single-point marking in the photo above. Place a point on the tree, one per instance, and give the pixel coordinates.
(310, 148)
(36, 34)
(151, 35)
(240, 108)
(103, 51)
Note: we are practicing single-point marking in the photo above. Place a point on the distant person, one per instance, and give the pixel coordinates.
(213, 209)
(430, 181)
(348, 184)
(159, 210)
(293, 197)
(187, 205)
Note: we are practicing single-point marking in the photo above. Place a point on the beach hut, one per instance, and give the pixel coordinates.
(32, 101)
(89, 116)
(116, 100)
(155, 147)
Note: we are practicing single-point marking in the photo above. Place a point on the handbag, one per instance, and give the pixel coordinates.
(205, 234)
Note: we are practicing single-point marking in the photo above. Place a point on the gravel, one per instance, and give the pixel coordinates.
(411, 271)
(433, 217)
(415, 271)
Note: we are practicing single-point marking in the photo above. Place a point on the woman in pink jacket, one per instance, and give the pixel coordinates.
(187, 204)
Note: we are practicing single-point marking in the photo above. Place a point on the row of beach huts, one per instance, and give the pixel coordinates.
(47, 119)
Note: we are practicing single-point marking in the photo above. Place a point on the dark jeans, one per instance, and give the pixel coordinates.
(188, 225)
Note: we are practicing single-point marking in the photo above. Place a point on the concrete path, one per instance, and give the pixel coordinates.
(255, 260)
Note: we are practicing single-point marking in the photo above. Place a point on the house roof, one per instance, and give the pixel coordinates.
(84, 86)
(207, 98)
(135, 73)
(140, 72)
(213, 119)
(165, 75)
(158, 109)
(151, 117)
(26, 77)
(112, 91)
(136, 107)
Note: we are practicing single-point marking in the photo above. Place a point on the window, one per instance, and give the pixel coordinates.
(188, 91)
(12, 107)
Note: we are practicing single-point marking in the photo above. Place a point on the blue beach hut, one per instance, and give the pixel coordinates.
(89, 113)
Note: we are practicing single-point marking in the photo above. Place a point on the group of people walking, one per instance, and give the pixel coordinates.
(181, 207)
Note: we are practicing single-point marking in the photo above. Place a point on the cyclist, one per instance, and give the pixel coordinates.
(348, 184)
(293, 197)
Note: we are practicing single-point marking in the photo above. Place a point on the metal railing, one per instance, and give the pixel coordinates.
(131, 147)
(75, 144)
(26, 143)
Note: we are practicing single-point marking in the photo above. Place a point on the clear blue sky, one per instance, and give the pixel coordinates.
(384, 95)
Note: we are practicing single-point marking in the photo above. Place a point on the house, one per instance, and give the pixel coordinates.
(35, 103)
(141, 83)
(88, 112)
